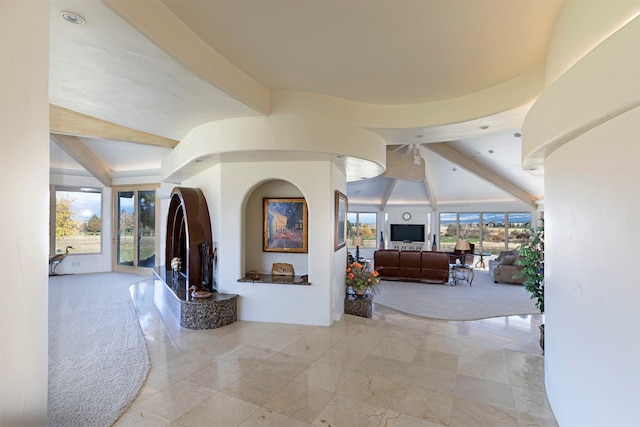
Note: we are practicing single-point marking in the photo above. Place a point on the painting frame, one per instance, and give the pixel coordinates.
(340, 220)
(285, 225)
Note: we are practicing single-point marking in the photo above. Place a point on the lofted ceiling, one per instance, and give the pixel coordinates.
(136, 101)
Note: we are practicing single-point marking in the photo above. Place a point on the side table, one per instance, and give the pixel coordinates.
(481, 260)
(461, 273)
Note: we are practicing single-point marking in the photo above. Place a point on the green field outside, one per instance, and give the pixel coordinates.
(82, 244)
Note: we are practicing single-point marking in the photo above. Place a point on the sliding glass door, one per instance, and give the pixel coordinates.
(135, 244)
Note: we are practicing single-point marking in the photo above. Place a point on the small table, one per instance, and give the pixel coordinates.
(461, 273)
(481, 260)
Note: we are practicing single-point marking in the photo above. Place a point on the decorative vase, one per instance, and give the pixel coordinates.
(434, 246)
(542, 337)
(381, 241)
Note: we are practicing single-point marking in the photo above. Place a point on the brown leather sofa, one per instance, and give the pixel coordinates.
(412, 266)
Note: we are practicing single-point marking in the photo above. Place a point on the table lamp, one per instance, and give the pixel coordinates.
(462, 245)
(357, 241)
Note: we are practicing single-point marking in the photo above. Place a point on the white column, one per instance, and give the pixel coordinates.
(24, 211)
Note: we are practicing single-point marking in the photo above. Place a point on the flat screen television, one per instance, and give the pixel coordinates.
(407, 232)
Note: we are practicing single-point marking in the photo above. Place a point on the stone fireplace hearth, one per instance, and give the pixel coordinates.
(189, 238)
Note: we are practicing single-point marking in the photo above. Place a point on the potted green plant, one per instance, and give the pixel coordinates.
(532, 260)
(362, 277)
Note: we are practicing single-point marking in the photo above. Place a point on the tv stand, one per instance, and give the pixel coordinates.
(408, 246)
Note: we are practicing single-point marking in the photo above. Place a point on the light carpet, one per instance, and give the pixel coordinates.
(98, 359)
(462, 302)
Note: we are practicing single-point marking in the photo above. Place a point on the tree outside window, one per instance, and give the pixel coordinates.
(364, 223)
(78, 221)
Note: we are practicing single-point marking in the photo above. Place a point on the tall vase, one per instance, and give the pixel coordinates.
(434, 246)
(381, 241)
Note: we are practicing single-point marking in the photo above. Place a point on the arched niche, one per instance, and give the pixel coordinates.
(255, 258)
(188, 228)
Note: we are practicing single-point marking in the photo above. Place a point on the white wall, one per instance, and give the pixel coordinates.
(585, 126)
(592, 293)
(24, 212)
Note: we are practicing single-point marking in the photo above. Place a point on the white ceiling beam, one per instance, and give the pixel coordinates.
(74, 147)
(451, 154)
(67, 122)
(427, 181)
(387, 193)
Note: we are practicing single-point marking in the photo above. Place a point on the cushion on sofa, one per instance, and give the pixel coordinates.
(508, 259)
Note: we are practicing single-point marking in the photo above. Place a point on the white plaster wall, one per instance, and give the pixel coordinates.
(339, 260)
(24, 212)
(592, 294)
(585, 126)
(229, 188)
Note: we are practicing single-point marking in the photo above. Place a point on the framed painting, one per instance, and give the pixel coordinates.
(284, 225)
(341, 206)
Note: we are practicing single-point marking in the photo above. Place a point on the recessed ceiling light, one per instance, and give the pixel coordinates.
(455, 169)
(74, 18)
(484, 127)
(419, 136)
(490, 151)
(517, 134)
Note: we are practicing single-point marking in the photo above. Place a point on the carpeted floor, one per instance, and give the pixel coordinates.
(462, 302)
(98, 359)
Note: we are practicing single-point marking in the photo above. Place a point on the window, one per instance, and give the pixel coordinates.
(516, 228)
(76, 221)
(470, 227)
(493, 232)
(366, 224)
(448, 231)
(499, 231)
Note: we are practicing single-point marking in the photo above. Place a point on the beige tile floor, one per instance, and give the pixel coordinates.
(393, 370)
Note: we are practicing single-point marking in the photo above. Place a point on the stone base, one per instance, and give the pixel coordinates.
(215, 311)
(359, 306)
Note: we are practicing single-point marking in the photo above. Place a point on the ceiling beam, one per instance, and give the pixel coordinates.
(74, 147)
(387, 193)
(427, 181)
(454, 156)
(67, 122)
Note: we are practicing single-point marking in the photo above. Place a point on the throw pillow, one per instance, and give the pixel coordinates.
(508, 259)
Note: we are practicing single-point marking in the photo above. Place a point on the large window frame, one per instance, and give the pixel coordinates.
(367, 228)
(87, 235)
(474, 227)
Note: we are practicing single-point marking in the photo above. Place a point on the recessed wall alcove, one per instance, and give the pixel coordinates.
(255, 258)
